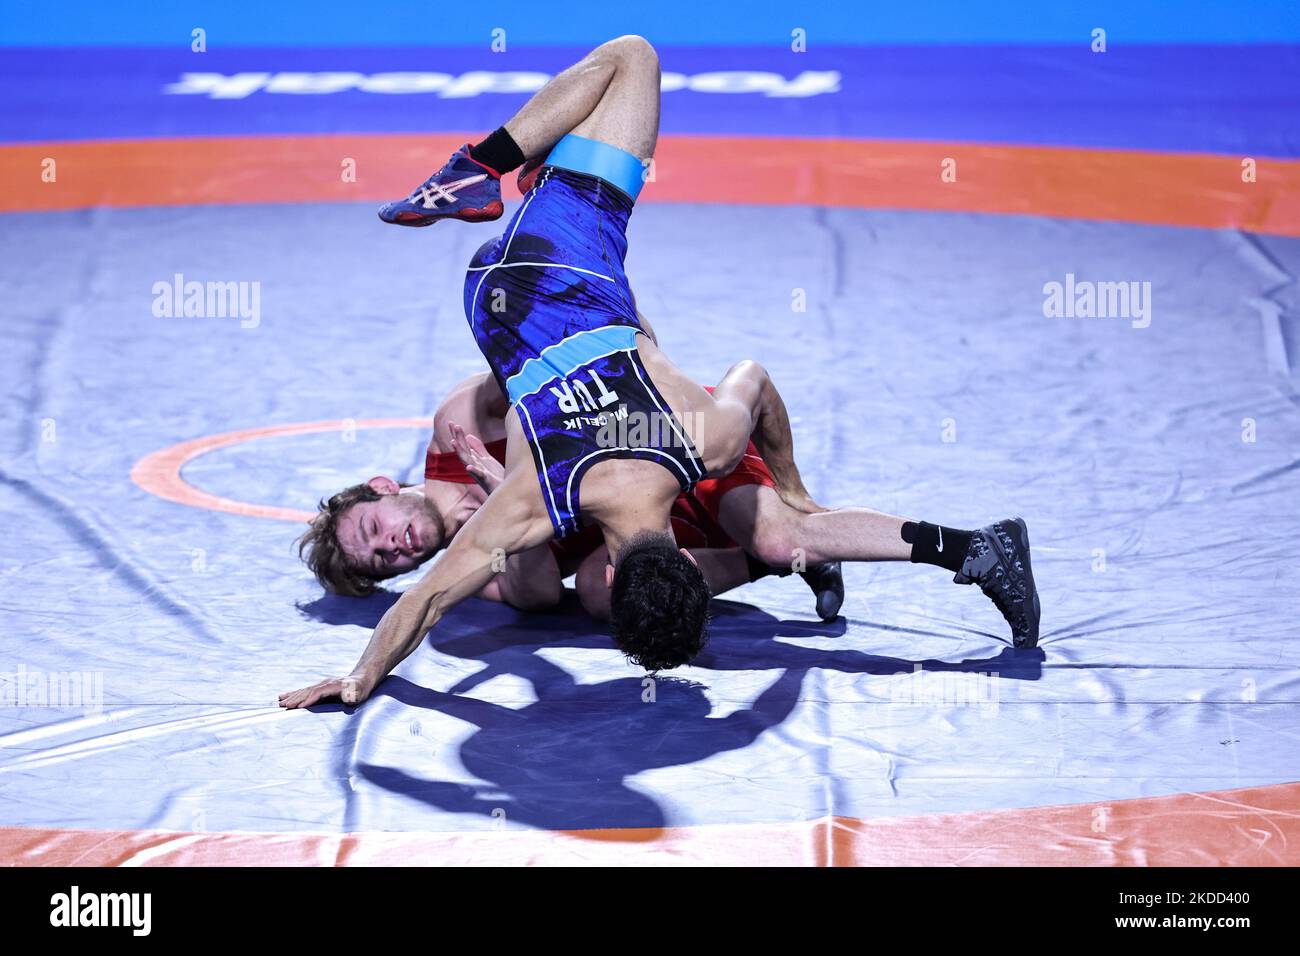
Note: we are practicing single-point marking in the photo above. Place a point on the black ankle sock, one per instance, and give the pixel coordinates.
(757, 569)
(499, 152)
(932, 544)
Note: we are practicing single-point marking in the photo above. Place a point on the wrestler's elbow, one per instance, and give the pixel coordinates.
(429, 611)
(752, 369)
(437, 592)
(746, 371)
(748, 382)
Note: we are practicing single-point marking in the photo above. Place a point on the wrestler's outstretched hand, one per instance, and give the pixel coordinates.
(350, 690)
(485, 469)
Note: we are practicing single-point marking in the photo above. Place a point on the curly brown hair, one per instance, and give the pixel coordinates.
(319, 546)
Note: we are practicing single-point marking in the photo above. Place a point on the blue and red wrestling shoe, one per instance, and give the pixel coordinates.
(463, 189)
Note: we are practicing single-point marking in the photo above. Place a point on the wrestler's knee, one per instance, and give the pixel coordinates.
(778, 544)
(634, 50)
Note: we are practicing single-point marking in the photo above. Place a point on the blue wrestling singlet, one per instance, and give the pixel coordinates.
(552, 313)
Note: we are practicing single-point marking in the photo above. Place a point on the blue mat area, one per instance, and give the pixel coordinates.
(1222, 99)
(1164, 539)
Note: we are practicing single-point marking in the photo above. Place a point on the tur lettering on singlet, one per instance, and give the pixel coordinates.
(575, 396)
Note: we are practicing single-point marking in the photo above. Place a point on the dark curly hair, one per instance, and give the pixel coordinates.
(659, 603)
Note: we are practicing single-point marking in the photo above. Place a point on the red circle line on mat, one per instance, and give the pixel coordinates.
(159, 472)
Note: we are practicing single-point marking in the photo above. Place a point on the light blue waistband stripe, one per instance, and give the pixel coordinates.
(558, 360)
(616, 166)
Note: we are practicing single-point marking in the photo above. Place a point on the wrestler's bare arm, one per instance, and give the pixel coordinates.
(647, 327)
(748, 406)
(477, 404)
(531, 580)
(492, 400)
(473, 408)
(514, 519)
(744, 405)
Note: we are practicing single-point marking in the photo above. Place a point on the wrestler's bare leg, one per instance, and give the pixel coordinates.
(777, 534)
(610, 95)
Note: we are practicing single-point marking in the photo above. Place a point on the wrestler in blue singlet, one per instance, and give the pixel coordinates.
(552, 313)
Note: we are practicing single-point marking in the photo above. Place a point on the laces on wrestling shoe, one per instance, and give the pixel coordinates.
(998, 561)
(463, 189)
(429, 193)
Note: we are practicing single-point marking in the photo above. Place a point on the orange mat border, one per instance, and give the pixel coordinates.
(1255, 826)
(1183, 189)
(1258, 826)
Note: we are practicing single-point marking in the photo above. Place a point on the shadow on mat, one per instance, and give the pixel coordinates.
(563, 761)
(742, 637)
(336, 609)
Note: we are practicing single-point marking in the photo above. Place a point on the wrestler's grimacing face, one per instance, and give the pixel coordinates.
(391, 536)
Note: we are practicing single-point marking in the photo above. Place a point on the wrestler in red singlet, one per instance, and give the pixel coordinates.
(694, 513)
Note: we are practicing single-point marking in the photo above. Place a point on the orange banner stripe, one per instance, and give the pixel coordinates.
(1184, 189)
(1259, 826)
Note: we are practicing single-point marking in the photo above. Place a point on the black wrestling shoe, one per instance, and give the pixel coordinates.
(998, 561)
(827, 585)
